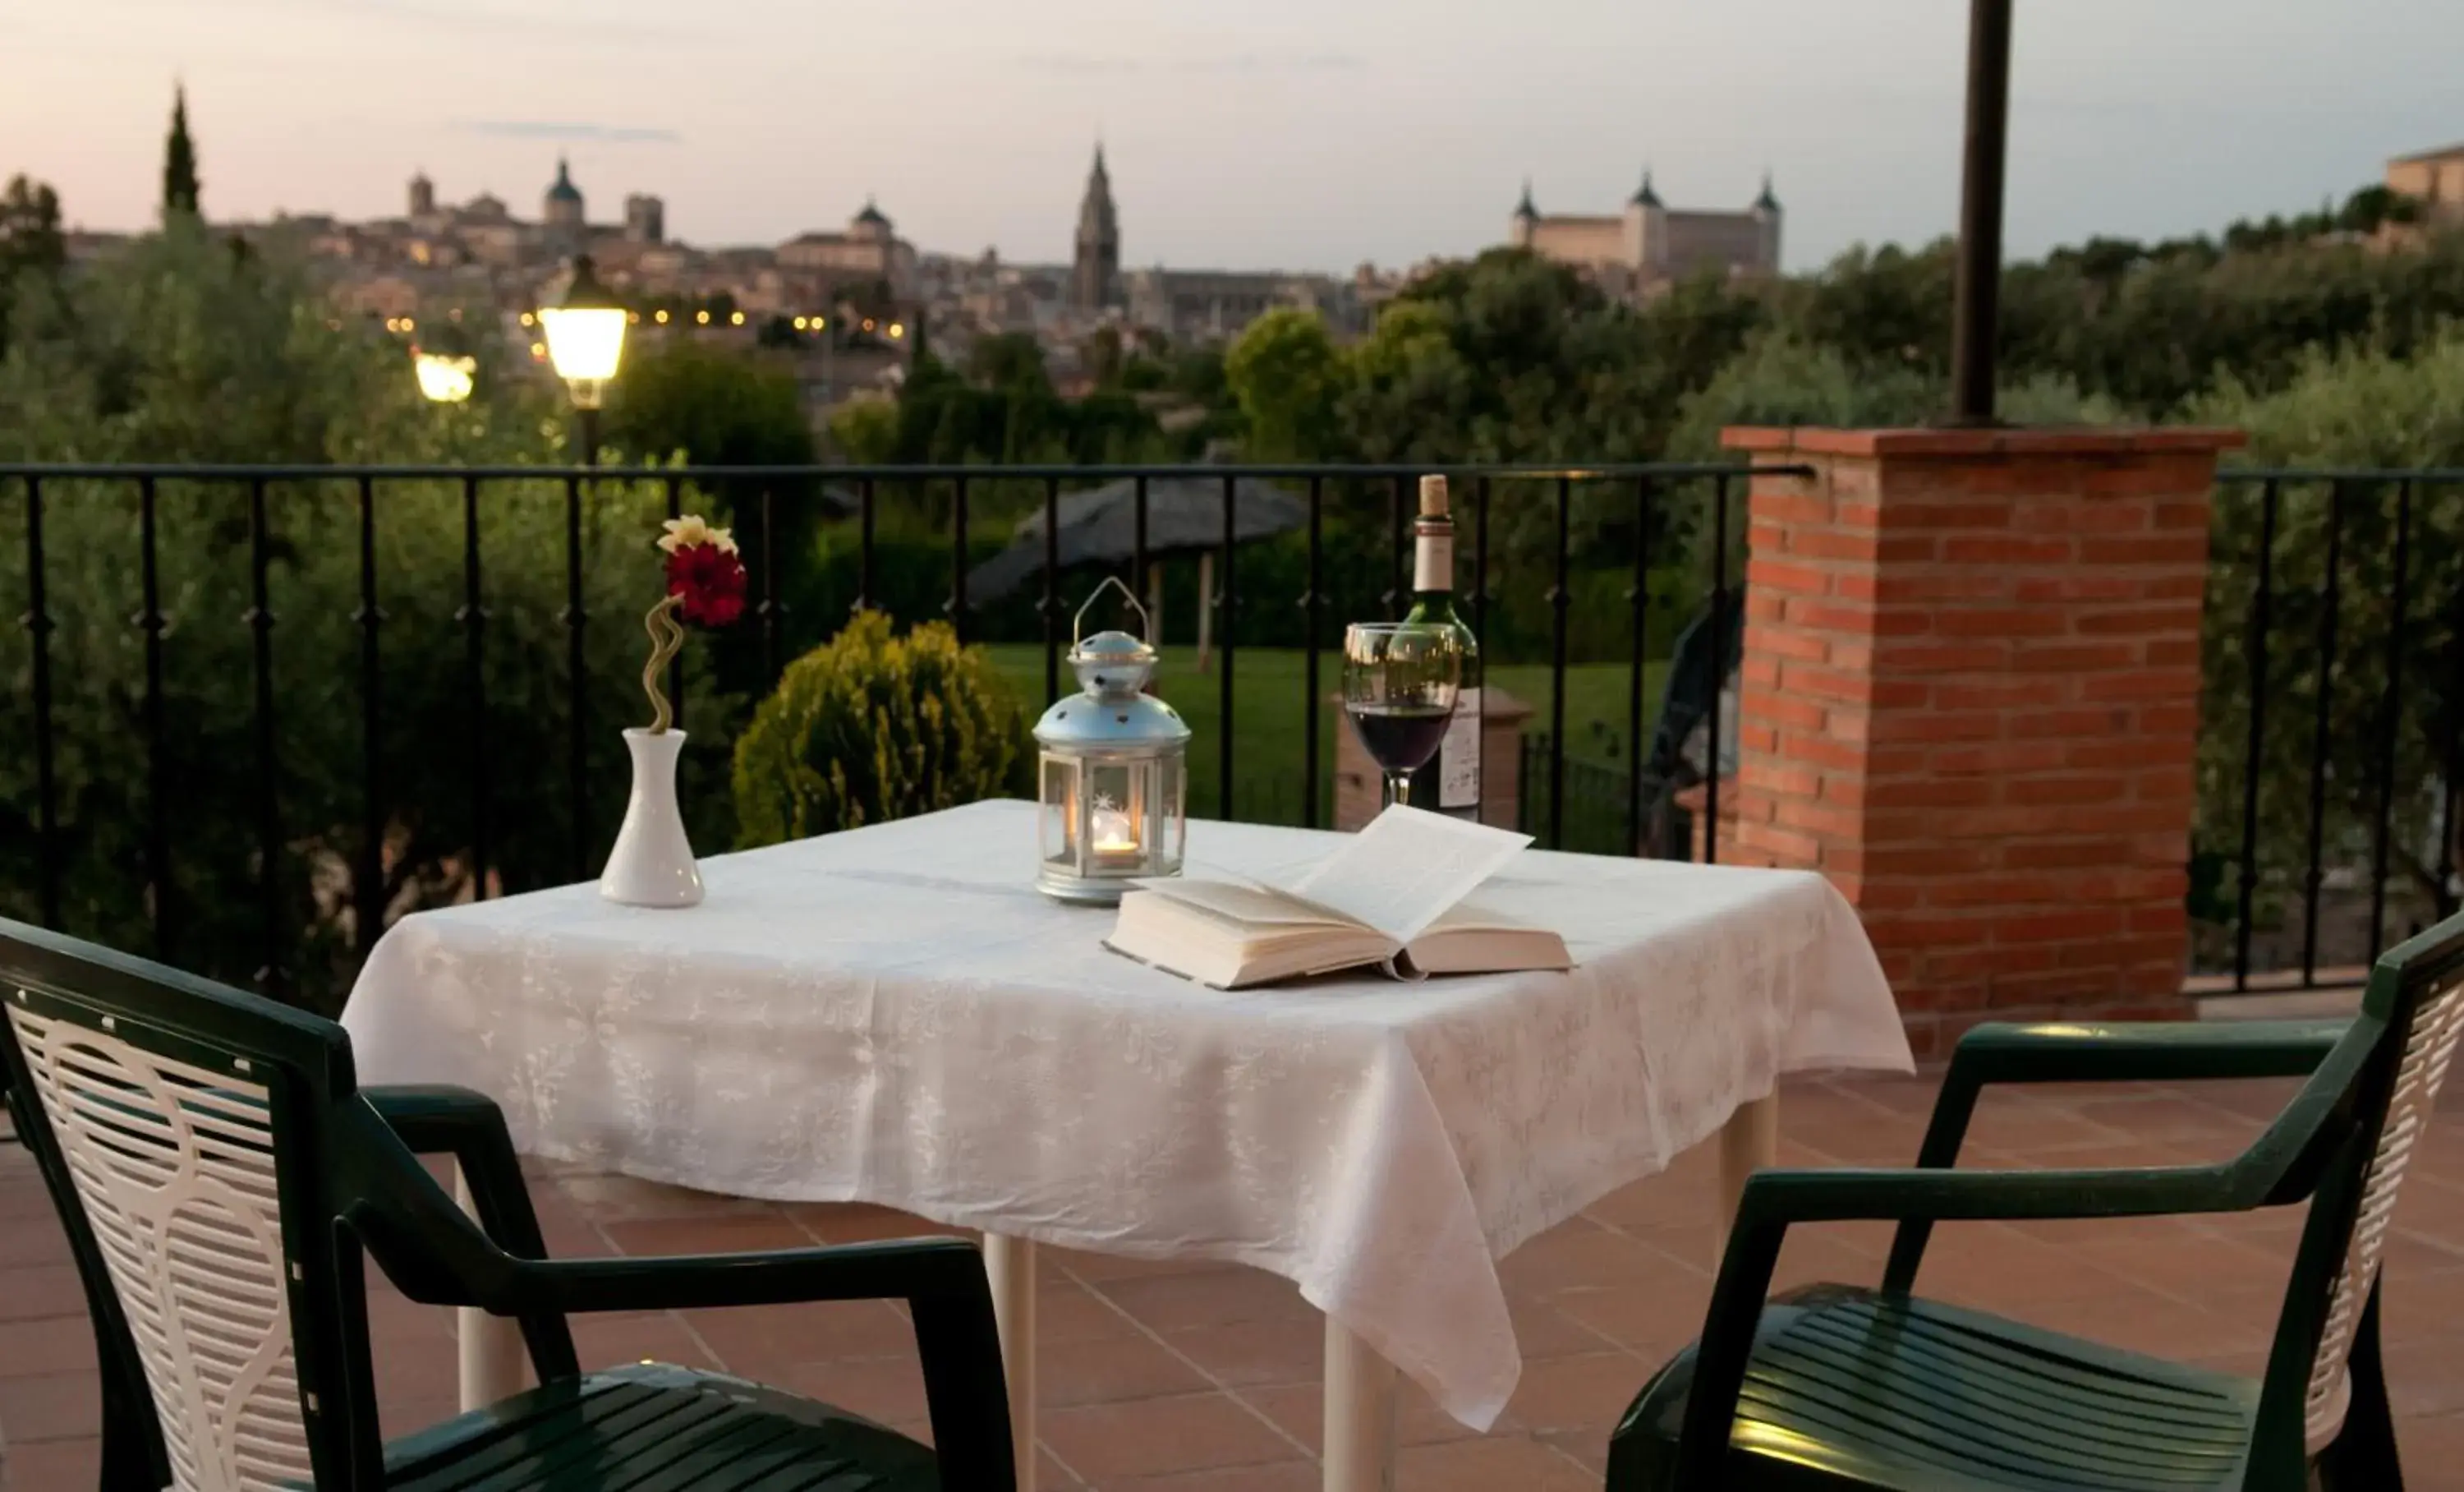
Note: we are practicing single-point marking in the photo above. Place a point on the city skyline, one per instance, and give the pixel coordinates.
(1307, 141)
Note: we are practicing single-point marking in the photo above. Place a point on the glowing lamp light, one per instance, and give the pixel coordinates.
(1112, 772)
(735, 319)
(586, 335)
(528, 320)
(800, 323)
(661, 317)
(897, 330)
(702, 318)
(443, 379)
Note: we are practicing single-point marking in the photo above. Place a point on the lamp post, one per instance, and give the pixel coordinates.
(586, 341)
(1977, 296)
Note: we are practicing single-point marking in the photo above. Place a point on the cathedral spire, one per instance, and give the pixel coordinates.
(1096, 267)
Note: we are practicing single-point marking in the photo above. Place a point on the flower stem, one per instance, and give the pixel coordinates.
(666, 639)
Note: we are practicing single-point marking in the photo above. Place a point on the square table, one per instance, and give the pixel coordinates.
(895, 1016)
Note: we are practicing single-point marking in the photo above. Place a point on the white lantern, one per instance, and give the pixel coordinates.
(1111, 772)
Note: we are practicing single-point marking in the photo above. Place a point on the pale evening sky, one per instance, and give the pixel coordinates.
(1278, 133)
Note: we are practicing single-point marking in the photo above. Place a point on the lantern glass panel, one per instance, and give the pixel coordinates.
(1118, 828)
(1057, 812)
(1169, 821)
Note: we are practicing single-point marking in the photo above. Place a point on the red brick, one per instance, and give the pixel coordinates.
(2097, 722)
(1829, 615)
(2015, 621)
(2068, 790)
(1816, 818)
(1938, 726)
(1900, 587)
(2073, 517)
(1779, 709)
(2008, 550)
(2165, 651)
(1781, 575)
(1776, 777)
(2137, 621)
(1752, 737)
(2072, 924)
(1825, 544)
(2040, 657)
(2001, 694)
(2189, 513)
(1787, 642)
(1793, 503)
(1999, 759)
(1823, 752)
(1938, 791)
(2007, 888)
(1786, 846)
(1941, 657)
(1758, 667)
(2146, 683)
(2081, 588)
(1767, 538)
(1824, 683)
(2127, 751)
(2164, 549)
(1902, 513)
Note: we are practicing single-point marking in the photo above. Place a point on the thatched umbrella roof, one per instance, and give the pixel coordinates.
(1100, 525)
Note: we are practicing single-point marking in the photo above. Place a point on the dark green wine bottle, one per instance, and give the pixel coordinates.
(1450, 784)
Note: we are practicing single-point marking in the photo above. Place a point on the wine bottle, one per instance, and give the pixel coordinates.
(1450, 784)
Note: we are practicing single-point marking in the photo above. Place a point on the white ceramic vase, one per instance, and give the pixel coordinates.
(653, 864)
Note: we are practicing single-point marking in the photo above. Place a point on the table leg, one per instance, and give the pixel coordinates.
(1360, 1415)
(493, 1360)
(1749, 1143)
(1009, 1264)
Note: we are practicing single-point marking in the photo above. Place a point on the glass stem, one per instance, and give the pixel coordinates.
(1398, 789)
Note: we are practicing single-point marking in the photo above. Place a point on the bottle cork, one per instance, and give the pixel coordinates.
(1433, 497)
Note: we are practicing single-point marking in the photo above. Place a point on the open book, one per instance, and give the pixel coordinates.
(1392, 898)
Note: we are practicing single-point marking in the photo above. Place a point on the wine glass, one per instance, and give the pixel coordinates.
(1398, 687)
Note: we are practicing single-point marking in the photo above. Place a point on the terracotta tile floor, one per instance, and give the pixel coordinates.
(1207, 1378)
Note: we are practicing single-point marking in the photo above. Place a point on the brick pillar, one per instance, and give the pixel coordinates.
(1970, 697)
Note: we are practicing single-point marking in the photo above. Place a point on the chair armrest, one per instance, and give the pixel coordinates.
(2123, 1052)
(1773, 1200)
(441, 1120)
(942, 1281)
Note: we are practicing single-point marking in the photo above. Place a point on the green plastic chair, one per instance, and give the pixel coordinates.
(221, 1176)
(1836, 1386)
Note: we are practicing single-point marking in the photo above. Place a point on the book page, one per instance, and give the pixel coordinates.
(1402, 872)
(1248, 905)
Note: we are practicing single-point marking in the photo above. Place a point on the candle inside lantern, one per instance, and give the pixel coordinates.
(1114, 833)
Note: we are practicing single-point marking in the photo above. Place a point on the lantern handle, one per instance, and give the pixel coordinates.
(1077, 623)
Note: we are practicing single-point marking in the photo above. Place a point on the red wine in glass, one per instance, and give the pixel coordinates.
(1399, 680)
(1401, 738)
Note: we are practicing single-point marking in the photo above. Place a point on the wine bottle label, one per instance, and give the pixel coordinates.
(1433, 563)
(1459, 754)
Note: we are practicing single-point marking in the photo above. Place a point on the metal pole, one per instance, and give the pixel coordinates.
(1974, 306)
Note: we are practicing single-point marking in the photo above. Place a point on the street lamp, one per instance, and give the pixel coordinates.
(585, 341)
(443, 379)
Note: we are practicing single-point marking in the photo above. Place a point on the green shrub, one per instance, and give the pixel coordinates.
(871, 726)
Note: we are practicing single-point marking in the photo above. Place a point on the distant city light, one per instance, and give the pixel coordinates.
(735, 319)
(868, 323)
(702, 318)
(528, 320)
(661, 317)
(634, 316)
(441, 379)
(538, 349)
(407, 325)
(897, 330)
(800, 323)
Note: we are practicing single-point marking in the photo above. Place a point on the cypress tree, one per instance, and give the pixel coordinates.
(178, 162)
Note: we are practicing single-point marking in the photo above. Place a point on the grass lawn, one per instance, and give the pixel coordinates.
(1270, 719)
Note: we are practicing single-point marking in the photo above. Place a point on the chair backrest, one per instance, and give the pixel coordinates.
(2409, 1027)
(175, 1124)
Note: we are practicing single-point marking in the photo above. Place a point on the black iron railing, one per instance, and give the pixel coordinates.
(238, 650)
(515, 592)
(2334, 748)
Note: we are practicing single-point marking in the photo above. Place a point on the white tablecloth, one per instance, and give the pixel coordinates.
(895, 1016)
